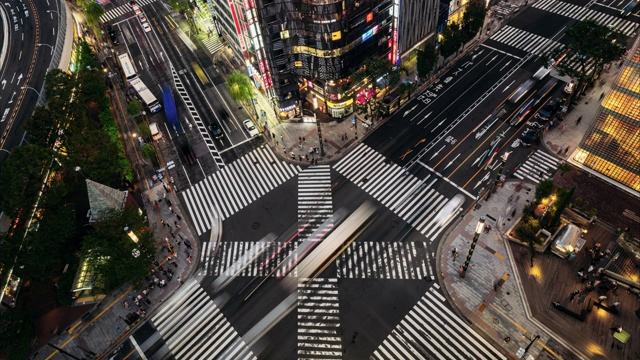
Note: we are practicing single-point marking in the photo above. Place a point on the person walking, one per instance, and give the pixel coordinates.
(579, 119)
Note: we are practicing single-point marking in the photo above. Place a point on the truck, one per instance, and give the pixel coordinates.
(170, 110)
(155, 132)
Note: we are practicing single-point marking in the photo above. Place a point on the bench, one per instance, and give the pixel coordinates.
(610, 309)
(580, 316)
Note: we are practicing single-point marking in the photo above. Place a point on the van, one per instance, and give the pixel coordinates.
(155, 132)
(568, 241)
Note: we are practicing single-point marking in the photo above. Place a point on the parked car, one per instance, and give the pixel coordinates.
(549, 110)
(529, 137)
(251, 128)
(142, 18)
(569, 87)
(215, 131)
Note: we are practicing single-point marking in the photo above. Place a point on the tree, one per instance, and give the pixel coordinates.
(134, 108)
(592, 45)
(426, 61)
(144, 131)
(562, 203)
(543, 190)
(150, 153)
(451, 40)
(93, 11)
(180, 6)
(240, 88)
(41, 128)
(371, 70)
(21, 178)
(473, 20)
(114, 253)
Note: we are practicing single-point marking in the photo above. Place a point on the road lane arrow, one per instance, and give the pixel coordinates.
(11, 101)
(4, 83)
(505, 89)
(505, 65)
(408, 111)
(440, 123)
(424, 118)
(482, 180)
(19, 78)
(493, 58)
(451, 162)
(437, 152)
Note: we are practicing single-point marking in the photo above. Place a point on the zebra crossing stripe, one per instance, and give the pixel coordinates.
(539, 166)
(232, 188)
(392, 186)
(431, 330)
(315, 203)
(192, 326)
(213, 44)
(379, 260)
(524, 40)
(581, 13)
(121, 10)
(319, 320)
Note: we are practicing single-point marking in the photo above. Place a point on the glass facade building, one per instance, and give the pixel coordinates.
(612, 144)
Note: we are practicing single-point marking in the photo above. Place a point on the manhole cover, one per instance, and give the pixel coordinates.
(496, 321)
(255, 225)
(394, 224)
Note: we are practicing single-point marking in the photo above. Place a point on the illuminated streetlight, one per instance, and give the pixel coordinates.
(46, 45)
(479, 228)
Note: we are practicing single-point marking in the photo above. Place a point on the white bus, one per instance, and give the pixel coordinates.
(127, 66)
(146, 96)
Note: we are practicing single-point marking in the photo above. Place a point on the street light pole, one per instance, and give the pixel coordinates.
(479, 228)
(46, 45)
(37, 92)
(319, 134)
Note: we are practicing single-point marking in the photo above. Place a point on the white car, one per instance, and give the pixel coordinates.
(569, 87)
(142, 18)
(146, 27)
(251, 128)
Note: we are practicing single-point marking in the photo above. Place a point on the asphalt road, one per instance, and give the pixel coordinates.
(425, 154)
(24, 64)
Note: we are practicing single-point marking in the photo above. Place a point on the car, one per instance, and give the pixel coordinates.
(524, 111)
(142, 17)
(215, 130)
(224, 115)
(146, 27)
(529, 137)
(251, 128)
(549, 110)
(569, 87)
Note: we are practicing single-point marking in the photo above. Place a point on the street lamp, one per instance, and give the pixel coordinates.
(479, 228)
(46, 45)
(37, 92)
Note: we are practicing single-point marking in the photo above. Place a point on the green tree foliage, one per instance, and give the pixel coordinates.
(41, 128)
(93, 11)
(21, 178)
(134, 108)
(562, 202)
(180, 6)
(16, 333)
(592, 44)
(150, 153)
(451, 39)
(473, 20)
(144, 131)
(544, 190)
(240, 88)
(112, 250)
(426, 61)
(372, 69)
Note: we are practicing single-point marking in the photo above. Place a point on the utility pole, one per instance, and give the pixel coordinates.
(479, 228)
(319, 134)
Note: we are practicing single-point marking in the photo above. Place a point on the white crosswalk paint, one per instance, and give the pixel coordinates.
(260, 258)
(624, 26)
(524, 40)
(432, 331)
(121, 10)
(194, 328)
(539, 166)
(319, 320)
(213, 44)
(238, 184)
(409, 197)
(384, 260)
(315, 202)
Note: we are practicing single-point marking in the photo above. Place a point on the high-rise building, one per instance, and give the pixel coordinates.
(315, 45)
(612, 144)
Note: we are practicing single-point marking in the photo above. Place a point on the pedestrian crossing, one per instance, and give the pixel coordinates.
(193, 327)
(524, 40)
(385, 260)
(433, 331)
(315, 203)
(577, 12)
(213, 44)
(319, 320)
(410, 198)
(251, 258)
(121, 10)
(538, 166)
(235, 186)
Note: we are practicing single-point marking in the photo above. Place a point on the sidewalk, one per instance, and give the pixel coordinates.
(502, 314)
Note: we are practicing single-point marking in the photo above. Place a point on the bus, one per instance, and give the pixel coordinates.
(200, 73)
(145, 95)
(628, 9)
(127, 66)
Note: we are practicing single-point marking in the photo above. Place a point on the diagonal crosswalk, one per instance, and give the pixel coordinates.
(538, 166)
(193, 327)
(524, 40)
(410, 198)
(315, 203)
(433, 331)
(121, 10)
(319, 320)
(235, 186)
(577, 12)
(384, 260)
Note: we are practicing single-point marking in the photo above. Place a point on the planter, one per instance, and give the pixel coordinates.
(577, 217)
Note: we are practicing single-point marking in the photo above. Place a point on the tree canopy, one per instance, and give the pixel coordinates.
(592, 45)
(239, 86)
(451, 39)
(426, 61)
(472, 20)
(93, 11)
(134, 108)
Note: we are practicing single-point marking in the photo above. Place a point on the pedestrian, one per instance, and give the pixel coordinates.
(164, 196)
(282, 138)
(299, 157)
(162, 221)
(300, 146)
(179, 217)
(579, 119)
(273, 136)
(601, 298)
(300, 139)
(178, 243)
(175, 222)
(303, 139)
(616, 304)
(454, 251)
(169, 202)
(601, 96)
(571, 297)
(293, 156)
